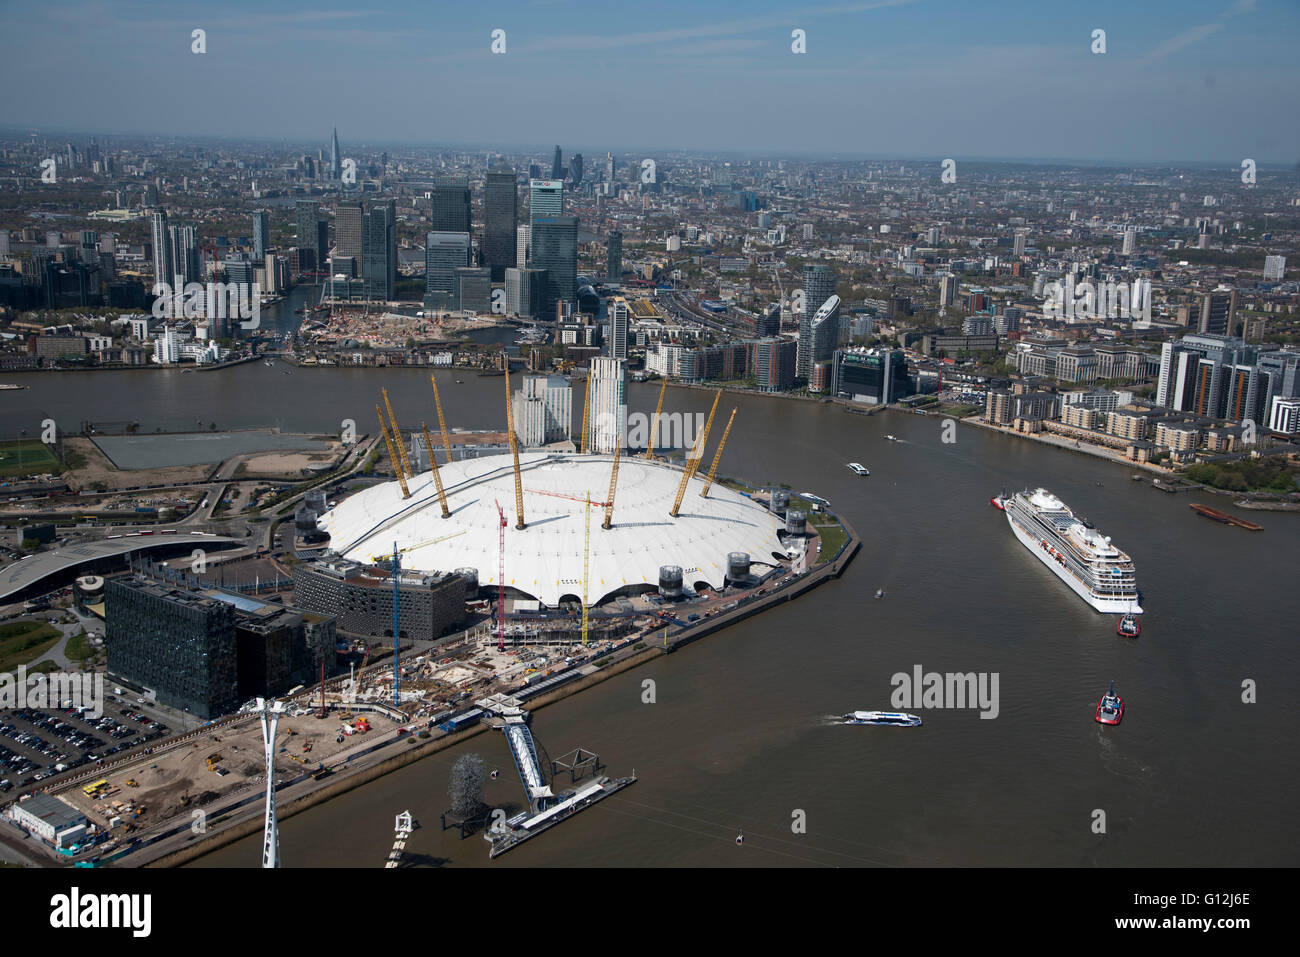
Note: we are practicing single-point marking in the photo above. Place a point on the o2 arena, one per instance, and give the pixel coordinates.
(545, 559)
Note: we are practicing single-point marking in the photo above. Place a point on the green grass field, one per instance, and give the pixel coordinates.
(26, 457)
(22, 642)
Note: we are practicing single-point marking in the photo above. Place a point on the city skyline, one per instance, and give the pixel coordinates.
(867, 68)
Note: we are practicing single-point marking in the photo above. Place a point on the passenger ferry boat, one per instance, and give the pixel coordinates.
(859, 469)
(1081, 556)
(895, 719)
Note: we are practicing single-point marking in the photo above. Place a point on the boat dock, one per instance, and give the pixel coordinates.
(524, 826)
(1224, 517)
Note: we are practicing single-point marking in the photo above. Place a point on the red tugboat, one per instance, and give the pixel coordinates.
(1129, 626)
(999, 501)
(1110, 707)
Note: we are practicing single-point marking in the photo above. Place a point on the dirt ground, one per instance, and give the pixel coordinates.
(179, 781)
(288, 464)
(98, 468)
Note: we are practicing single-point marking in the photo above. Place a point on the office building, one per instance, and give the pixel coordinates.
(450, 205)
(526, 293)
(444, 253)
(557, 166)
(313, 254)
(177, 643)
(361, 597)
(261, 233)
(336, 158)
(874, 376)
(379, 251)
(620, 315)
(523, 245)
(472, 289)
(543, 410)
(614, 256)
(347, 230)
(575, 169)
(545, 199)
(500, 219)
(607, 417)
(555, 249)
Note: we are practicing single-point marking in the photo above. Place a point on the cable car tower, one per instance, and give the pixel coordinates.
(270, 713)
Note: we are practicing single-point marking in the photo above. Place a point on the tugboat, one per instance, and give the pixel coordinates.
(1128, 626)
(999, 501)
(1110, 707)
(880, 593)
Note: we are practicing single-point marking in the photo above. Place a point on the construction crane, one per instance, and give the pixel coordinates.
(324, 711)
(654, 423)
(392, 454)
(514, 452)
(613, 484)
(428, 541)
(356, 682)
(586, 405)
(397, 628)
(713, 469)
(397, 436)
(433, 467)
(586, 568)
(696, 454)
(442, 423)
(501, 580)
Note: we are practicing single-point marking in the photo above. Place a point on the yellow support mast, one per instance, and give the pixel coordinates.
(442, 423)
(586, 404)
(713, 469)
(514, 451)
(437, 479)
(397, 436)
(586, 567)
(696, 454)
(654, 423)
(613, 484)
(392, 454)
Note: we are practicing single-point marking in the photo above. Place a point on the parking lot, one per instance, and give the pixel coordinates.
(35, 744)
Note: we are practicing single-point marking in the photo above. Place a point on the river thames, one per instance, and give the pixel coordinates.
(739, 737)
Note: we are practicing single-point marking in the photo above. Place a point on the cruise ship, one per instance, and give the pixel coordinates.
(1081, 556)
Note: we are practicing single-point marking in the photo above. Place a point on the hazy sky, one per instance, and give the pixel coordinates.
(1199, 80)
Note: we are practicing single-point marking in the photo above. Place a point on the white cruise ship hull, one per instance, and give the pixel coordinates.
(1107, 606)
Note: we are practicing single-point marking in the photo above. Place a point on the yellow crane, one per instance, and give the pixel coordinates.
(613, 484)
(713, 469)
(437, 479)
(696, 454)
(586, 404)
(514, 450)
(442, 423)
(397, 436)
(392, 454)
(654, 423)
(411, 548)
(586, 567)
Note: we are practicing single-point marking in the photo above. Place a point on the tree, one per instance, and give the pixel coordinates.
(466, 789)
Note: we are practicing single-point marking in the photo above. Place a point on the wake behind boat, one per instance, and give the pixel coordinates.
(1077, 553)
(893, 719)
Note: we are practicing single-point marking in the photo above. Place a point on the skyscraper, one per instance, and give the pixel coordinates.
(500, 217)
(347, 230)
(163, 267)
(444, 253)
(1219, 314)
(543, 410)
(607, 417)
(1274, 267)
(523, 245)
(526, 292)
(451, 203)
(1130, 242)
(555, 249)
(379, 251)
(545, 198)
(619, 318)
(949, 285)
(609, 167)
(818, 285)
(1018, 244)
(261, 232)
(557, 165)
(336, 160)
(614, 256)
(306, 216)
(825, 332)
(186, 265)
(575, 169)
